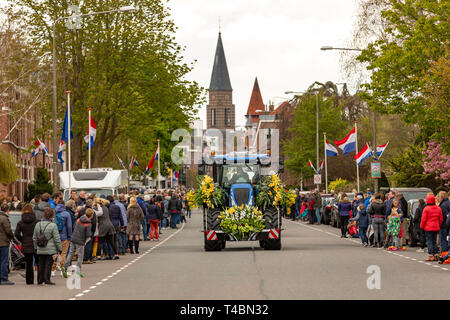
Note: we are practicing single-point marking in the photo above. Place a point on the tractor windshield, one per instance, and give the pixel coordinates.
(240, 173)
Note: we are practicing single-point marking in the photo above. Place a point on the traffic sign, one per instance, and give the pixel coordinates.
(317, 179)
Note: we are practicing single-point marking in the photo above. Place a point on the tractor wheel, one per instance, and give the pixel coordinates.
(213, 223)
(272, 222)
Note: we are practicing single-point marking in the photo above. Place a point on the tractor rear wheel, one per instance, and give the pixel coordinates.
(273, 221)
(213, 223)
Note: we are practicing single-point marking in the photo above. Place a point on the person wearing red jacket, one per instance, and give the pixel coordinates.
(431, 223)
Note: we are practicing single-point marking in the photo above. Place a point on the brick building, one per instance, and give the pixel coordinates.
(18, 123)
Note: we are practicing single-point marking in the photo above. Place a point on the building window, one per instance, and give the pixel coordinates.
(227, 116)
(213, 117)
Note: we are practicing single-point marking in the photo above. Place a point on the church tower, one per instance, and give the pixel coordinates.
(220, 112)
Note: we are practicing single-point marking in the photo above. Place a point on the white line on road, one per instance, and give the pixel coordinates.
(130, 263)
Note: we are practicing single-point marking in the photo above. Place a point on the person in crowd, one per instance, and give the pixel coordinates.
(144, 222)
(16, 205)
(70, 208)
(393, 228)
(174, 208)
(154, 216)
(389, 198)
(431, 223)
(310, 206)
(116, 218)
(78, 212)
(81, 199)
(447, 224)
(363, 223)
(106, 229)
(188, 209)
(54, 200)
(135, 215)
(377, 212)
(24, 233)
(395, 205)
(47, 243)
(64, 224)
(444, 204)
(44, 204)
(344, 208)
(166, 213)
(123, 241)
(87, 257)
(35, 202)
(6, 235)
(81, 235)
(416, 225)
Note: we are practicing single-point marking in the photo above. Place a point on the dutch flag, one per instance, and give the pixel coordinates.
(40, 146)
(321, 167)
(92, 129)
(121, 162)
(331, 151)
(348, 144)
(60, 152)
(152, 161)
(311, 165)
(363, 154)
(380, 149)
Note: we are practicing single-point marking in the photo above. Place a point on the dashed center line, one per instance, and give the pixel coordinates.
(125, 266)
(352, 240)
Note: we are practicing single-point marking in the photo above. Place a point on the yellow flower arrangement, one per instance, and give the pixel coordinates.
(273, 193)
(207, 194)
(241, 221)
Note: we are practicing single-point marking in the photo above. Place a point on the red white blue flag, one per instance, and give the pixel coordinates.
(40, 146)
(311, 165)
(348, 144)
(152, 161)
(92, 130)
(363, 154)
(380, 149)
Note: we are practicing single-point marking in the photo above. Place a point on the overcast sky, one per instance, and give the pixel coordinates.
(277, 41)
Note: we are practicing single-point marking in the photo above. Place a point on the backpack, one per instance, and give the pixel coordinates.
(41, 238)
(59, 221)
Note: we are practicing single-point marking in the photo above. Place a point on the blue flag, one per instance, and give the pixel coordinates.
(64, 132)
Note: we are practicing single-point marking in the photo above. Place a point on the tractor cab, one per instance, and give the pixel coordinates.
(239, 175)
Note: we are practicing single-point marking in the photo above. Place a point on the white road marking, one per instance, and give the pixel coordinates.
(127, 265)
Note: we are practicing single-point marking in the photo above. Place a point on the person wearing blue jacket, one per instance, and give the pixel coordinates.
(363, 223)
(123, 240)
(65, 234)
(115, 215)
(344, 208)
(143, 206)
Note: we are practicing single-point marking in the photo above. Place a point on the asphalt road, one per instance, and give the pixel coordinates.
(314, 263)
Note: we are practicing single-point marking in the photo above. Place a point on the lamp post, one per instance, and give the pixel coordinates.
(374, 114)
(55, 137)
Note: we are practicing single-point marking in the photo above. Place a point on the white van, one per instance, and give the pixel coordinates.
(101, 181)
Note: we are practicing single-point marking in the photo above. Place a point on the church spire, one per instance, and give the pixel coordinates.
(256, 102)
(220, 80)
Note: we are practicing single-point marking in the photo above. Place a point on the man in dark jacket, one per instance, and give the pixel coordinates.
(444, 204)
(24, 233)
(174, 207)
(70, 208)
(81, 199)
(115, 215)
(80, 236)
(6, 235)
(377, 212)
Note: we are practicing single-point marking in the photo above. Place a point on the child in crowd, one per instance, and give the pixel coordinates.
(393, 229)
(363, 218)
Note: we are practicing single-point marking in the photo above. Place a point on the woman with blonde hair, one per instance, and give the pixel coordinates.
(134, 219)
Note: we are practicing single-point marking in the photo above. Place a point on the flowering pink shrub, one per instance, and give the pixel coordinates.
(436, 161)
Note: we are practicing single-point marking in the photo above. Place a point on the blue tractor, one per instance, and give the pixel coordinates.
(239, 175)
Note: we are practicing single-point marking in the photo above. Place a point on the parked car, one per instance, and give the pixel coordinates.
(413, 193)
(334, 213)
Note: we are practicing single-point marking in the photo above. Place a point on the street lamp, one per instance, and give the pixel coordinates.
(55, 137)
(324, 48)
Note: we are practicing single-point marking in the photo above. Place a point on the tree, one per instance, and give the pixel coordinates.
(410, 63)
(41, 185)
(436, 162)
(126, 66)
(8, 169)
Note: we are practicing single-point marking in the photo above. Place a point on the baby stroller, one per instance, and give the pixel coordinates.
(16, 257)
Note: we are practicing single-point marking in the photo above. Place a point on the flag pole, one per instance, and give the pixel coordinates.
(69, 122)
(159, 156)
(326, 165)
(356, 152)
(89, 135)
